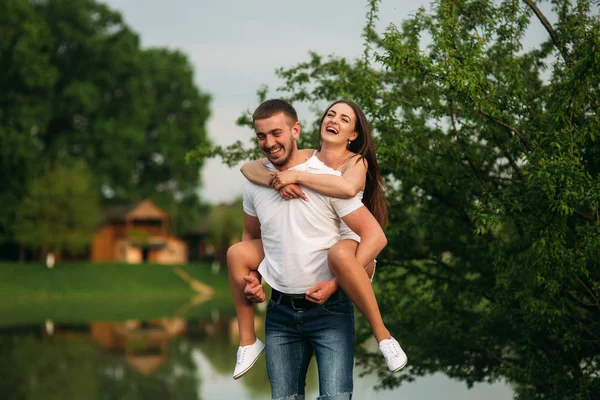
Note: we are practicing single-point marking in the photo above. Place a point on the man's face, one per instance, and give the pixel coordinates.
(277, 139)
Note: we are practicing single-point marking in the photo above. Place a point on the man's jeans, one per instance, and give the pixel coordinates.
(293, 335)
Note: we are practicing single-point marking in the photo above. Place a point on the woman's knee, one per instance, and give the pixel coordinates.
(235, 253)
(246, 255)
(341, 253)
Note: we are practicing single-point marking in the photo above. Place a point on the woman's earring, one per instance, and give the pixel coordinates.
(349, 143)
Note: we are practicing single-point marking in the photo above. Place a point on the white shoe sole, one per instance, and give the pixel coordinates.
(238, 376)
(402, 366)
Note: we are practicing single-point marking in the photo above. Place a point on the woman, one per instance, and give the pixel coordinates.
(346, 145)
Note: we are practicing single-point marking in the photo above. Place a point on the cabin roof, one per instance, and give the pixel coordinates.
(145, 209)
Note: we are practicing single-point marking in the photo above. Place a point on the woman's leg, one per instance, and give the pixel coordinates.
(242, 258)
(354, 279)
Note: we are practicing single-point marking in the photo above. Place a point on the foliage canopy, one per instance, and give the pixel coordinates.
(42, 222)
(76, 85)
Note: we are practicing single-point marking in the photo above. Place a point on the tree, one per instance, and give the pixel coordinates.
(492, 266)
(225, 227)
(60, 211)
(75, 85)
(26, 77)
(175, 124)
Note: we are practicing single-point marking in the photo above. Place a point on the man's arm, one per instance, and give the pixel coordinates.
(251, 228)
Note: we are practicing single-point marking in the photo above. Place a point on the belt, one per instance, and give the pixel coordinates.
(296, 301)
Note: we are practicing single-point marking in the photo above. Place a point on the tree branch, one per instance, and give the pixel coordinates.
(498, 180)
(577, 366)
(418, 270)
(581, 324)
(453, 271)
(583, 303)
(515, 167)
(510, 128)
(439, 262)
(594, 297)
(457, 136)
(549, 29)
(459, 212)
(589, 217)
(492, 354)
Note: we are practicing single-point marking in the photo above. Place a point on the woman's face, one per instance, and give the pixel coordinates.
(339, 124)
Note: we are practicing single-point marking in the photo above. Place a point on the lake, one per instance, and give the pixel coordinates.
(166, 358)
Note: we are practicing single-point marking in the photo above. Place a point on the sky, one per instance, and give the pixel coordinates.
(236, 46)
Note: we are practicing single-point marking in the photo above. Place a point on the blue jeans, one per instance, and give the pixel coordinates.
(291, 338)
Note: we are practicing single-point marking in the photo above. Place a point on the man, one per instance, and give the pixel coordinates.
(307, 312)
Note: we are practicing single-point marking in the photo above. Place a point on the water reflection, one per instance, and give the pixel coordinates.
(128, 360)
(167, 358)
(156, 359)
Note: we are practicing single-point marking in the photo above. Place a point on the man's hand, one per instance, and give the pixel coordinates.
(292, 191)
(253, 290)
(321, 291)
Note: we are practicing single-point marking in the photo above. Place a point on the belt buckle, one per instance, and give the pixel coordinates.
(293, 301)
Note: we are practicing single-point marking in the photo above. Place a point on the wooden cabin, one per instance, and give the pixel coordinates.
(137, 233)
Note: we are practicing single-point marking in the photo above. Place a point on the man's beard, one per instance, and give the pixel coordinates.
(285, 160)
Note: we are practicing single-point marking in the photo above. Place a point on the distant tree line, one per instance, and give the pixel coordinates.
(88, 118)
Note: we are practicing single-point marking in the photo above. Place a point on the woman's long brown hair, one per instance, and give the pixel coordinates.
(364, 146)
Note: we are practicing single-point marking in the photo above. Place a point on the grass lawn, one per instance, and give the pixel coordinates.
(86, 292)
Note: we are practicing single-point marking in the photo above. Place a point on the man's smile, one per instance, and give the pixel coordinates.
(274, 151)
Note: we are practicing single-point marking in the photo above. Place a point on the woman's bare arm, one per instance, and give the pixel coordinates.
(256, 172)
(347, 186)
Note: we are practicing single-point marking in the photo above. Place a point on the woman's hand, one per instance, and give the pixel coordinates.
(292, 191)
(283, 178)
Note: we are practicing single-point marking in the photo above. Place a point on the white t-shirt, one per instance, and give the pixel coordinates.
(345, 231)
(297, 234)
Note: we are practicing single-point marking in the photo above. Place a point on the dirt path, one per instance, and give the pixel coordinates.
(204, 291)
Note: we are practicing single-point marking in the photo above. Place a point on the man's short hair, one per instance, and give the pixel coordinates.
(273, 107)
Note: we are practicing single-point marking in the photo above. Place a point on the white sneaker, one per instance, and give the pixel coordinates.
(394, 355)
(246, 357)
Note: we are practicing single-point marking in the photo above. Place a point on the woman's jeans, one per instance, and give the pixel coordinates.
(292, 335)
